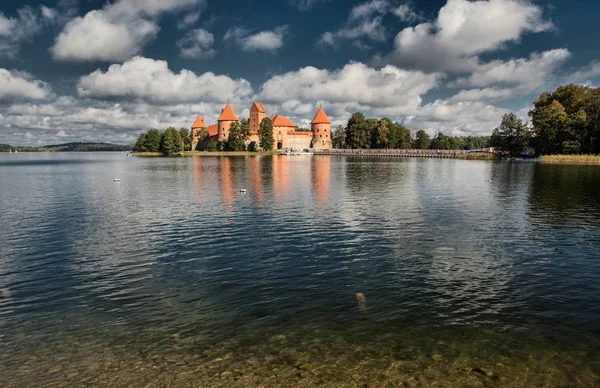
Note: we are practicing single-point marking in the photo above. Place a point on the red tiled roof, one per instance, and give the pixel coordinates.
(260, 107)
(213, 130)
(320, 118)
(281, 121)
(199, 123)
(227, 114)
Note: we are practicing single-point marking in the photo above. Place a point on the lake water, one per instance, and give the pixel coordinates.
(473, 273)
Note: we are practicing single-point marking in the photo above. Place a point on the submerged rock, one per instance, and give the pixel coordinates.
(484, 371)
(55, 369)
(362, 300)
(278, 338)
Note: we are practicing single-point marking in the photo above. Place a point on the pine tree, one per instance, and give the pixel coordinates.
(186, 140)
(140, 144)
(170, 143)
(265, 134)
(153, 140)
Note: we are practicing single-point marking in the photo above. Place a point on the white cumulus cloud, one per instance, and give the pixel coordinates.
(463, 30)
(152, 80)
(269, 40)
(502, 80)
(115, 32)
(15, 85)
(355, 82)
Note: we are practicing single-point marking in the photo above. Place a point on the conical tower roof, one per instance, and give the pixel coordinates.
(259, 107)
(281, 121)
(227, 114)
(320, 118)
(199, 123)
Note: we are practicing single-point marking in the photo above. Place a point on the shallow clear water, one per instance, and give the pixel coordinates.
(474, 273)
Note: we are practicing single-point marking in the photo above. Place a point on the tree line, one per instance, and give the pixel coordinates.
(169, 142)
(566, 121)
(363, 133)
(68, 147)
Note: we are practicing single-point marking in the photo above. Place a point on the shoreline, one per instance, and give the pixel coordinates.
(581, 160)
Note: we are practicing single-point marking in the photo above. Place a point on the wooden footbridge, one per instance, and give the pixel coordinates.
(407, 153)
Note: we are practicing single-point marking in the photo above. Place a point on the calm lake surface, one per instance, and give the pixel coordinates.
(474, 273)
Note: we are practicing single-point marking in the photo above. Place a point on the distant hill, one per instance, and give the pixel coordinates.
(69, 147)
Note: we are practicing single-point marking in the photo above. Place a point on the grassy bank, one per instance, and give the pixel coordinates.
(479, 156)
(570, 159)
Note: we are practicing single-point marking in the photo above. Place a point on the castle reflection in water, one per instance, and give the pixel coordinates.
(268, 180)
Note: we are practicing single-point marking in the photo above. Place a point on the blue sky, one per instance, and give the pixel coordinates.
(92, 70)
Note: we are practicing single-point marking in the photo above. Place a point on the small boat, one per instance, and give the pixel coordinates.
(116, 180)
(10, 150)
(243, 191)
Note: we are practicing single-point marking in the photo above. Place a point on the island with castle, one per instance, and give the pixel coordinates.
(284, 131)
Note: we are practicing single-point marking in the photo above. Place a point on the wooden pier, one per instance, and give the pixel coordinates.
(406, 153)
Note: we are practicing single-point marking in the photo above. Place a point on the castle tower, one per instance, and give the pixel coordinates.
(321, 131)
(257, 114)
(225, 120)
(196, 128)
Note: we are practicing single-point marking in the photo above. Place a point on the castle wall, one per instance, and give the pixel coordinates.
(298, 141)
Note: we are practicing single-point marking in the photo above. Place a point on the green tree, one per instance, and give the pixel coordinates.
(477, 142)
(153, 140)
(549, 121)
(212, 146)
(265, 134)
(513, 135)
(566, 120)
(186, 140)
(140, 144)
(170, 143)
(441, 142)
(456, 143)
(380, 130)
(357, 132)
(238, 134)
(422, 142)
(404, 139)
(338, 137)
(252, 147)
